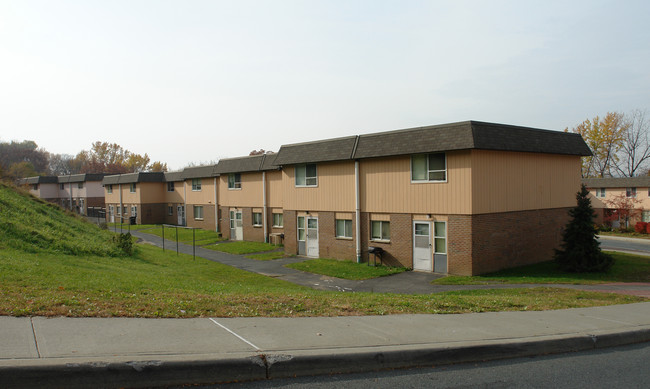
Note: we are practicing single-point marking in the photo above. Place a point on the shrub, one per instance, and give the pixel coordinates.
(641, 227)
(124, 243)
(647, 228)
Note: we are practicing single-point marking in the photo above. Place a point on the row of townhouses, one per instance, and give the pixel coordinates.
(80, 193)
(462, 198)
(612, 193)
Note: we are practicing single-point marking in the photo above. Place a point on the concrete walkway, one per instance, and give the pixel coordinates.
(123, 352)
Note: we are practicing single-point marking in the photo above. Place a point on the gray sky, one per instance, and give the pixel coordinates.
(195, 81)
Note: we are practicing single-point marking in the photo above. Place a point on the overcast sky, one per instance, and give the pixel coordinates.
(196, 81)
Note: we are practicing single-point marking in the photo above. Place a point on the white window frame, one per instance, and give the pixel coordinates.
(80, 185)
(310, 181)
(630, 192)
(257, 219)
(381, 237)
(170, 186)
(132, 187)
(196, 184)
(347, 229)
(134, 210)
(198, 209)
(234, 181)
(109, 188)
(428, 169)
(170, 210)
(437, 237)
(600, 192)
(278, 220)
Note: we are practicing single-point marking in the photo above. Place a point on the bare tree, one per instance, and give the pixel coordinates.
(635, 146)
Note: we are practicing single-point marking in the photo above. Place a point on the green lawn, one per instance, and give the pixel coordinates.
(345, 269)
(242, 247)
(201, 237)
(627, 268)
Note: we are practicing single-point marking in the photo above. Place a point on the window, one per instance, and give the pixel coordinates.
(170, 210)
(62, 186)
(35, 187)
(306, 175)
(257, 219)
(600, 192)
(196, 184)
(198, 212)
(278, 220)
(429, 168)
(232, 219)
(109, 189)
(440, 237)
(301, 228)
(134, 210)
(234, 181)
(343, 228)
(170, 187)
(380, 230)
(80, 185)
(132, 187)
(111, 210)
(630, 192)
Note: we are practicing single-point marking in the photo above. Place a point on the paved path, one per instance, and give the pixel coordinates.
(626, 245)
(409, 282)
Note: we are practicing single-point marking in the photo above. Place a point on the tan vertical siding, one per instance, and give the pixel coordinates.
(250, 194)
(386, 187)
(335, 190)
(274, 189)
(513, 181)
(204, 196)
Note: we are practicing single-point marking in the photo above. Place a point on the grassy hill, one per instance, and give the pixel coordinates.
(35, 226)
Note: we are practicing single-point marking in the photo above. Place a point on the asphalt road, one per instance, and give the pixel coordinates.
(636, 246)
(618, 367)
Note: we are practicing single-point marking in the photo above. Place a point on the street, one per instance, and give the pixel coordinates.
(619, 367)
(629, 245)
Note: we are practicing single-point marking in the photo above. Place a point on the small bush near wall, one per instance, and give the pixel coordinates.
(641, 227)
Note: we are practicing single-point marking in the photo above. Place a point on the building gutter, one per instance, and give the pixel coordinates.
(264, 221)
(216, 207)
(121, 205)
(358, 210)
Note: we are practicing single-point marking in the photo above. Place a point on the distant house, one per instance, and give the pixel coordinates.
(80, 193)
(135, 195)
(606, 193)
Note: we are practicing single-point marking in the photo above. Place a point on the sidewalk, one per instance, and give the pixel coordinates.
(123, 352)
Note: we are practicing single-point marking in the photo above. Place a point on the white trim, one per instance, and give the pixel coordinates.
(427, 181)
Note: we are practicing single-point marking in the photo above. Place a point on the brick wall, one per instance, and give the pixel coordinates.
(459, 245)
(290, 232)
(208, 217)
(328, 245)
(148, 213)
(399, 251)
(510, 239)
(251, 233)
(224, 222)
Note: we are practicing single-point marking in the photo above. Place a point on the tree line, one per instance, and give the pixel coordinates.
(26, 159)
(620, 144)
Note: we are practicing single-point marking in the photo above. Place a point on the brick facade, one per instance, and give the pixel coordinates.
(290, 232)
(329, 246)
(208, 217)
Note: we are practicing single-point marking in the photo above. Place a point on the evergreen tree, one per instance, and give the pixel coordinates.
(580, 251)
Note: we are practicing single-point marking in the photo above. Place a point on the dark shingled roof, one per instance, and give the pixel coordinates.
(252, 163)
(199, 171)
(173, 176)
(446, 137)
(320, 151)
(617, 182)
(129, 178)
(38, 180)
(81, 177)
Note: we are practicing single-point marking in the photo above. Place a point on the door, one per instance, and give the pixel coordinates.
(180, 211)
(312, 237)
(440, 247)
(111, 214)
(302, 236)
(422, 254)
(236, 225)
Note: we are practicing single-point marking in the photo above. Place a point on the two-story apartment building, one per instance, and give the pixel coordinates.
(200, 194)
(80, 193)
(609, 193)
(462, 198)
(137, 195)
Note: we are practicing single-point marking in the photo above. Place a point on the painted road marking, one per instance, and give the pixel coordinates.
(232, 332)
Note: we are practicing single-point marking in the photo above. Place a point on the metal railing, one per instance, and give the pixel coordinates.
(176, 230)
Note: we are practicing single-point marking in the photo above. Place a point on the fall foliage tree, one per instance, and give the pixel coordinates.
(20, 158)
(111, 158)
(622, 208)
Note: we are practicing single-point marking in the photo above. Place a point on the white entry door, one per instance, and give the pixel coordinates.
(180, 210)
(422, 255)
(312, 237)
(236, 225)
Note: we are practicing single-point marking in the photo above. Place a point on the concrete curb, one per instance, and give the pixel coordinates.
(265, 366)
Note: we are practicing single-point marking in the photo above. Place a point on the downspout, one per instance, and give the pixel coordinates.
(358, 209)
(70, 190)
(184, 202)
(216, 207)
(264, 222)
(121, 206)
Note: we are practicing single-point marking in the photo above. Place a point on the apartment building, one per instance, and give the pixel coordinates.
(200, 195)
(463, 198)
(80, 193)
(135, 195)
(609, 193)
